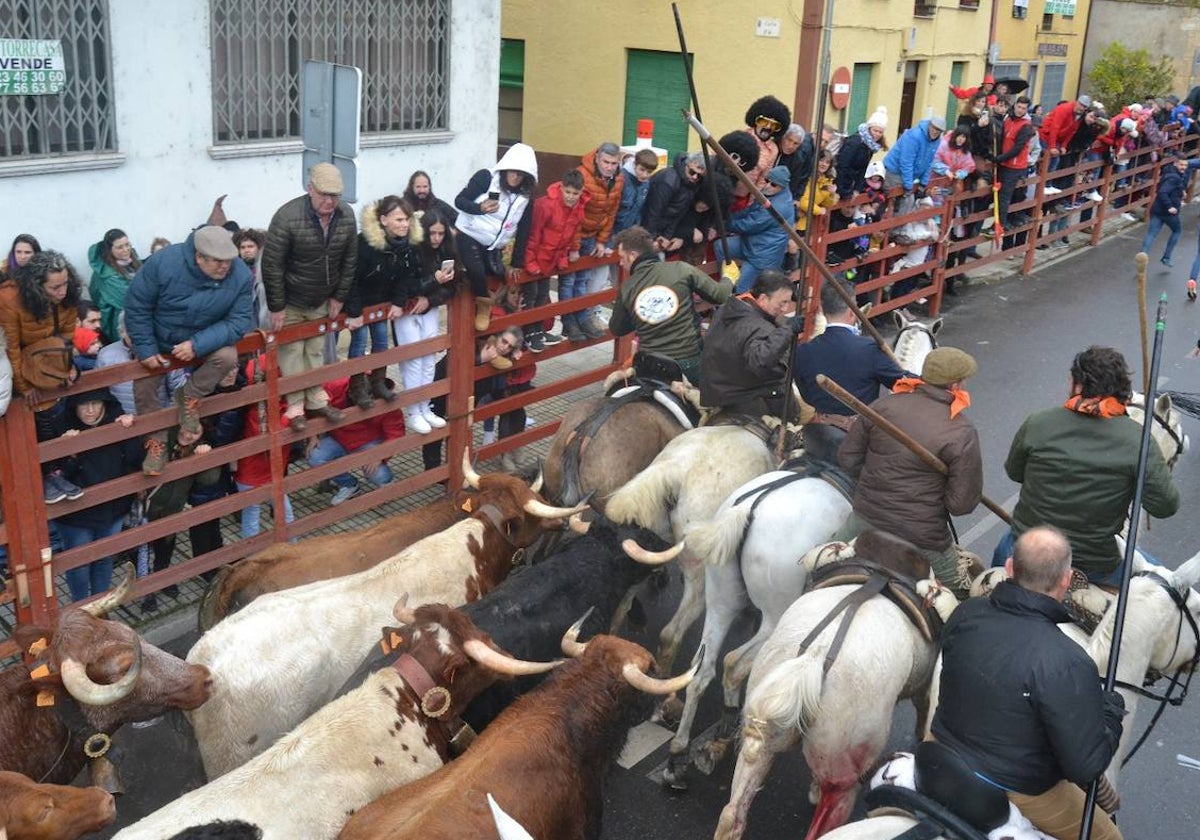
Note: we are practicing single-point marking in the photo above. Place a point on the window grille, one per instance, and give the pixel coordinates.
(260, 46)
(81, 119)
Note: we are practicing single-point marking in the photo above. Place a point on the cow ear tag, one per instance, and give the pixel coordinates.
(466, 506)
(38, 646)
(40, 672)
(45, 698)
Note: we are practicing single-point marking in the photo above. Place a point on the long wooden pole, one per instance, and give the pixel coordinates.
(712, 143)
(1141, 260)
(836, 390)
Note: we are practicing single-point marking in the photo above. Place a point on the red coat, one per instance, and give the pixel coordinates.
(553, 232)
(255, 470)
(355, 436)
(601, 210)
(1059, 126)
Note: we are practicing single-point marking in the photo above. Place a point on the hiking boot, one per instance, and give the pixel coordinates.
(380, 386)
(360, 395)
(536, 342)
(156, 457)
(572, 332)
(593, 327)
(189, 413)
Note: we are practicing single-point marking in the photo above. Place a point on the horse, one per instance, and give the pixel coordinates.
(1167, 430)
(842, 710)
(914, 340)
(751, 551)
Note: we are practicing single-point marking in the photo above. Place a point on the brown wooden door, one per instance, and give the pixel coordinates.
(908, 96)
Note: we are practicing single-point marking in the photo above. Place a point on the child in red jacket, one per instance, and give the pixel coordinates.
(354, 437)
(255, 470)
(556, 218)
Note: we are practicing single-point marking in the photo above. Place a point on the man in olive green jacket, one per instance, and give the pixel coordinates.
(1077, 465)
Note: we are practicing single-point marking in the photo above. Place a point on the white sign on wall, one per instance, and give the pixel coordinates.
(31, 67)
(1060, 7)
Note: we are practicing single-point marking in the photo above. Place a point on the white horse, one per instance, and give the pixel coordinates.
(844, 714)
(751, 550)
(915, 339)
(680, 489)
(1157, 638)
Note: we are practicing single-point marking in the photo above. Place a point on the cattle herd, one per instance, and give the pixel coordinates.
(418, 678)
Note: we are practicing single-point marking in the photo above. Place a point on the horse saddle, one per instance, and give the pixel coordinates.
(811, 466)
(651, 381)
(886, 565)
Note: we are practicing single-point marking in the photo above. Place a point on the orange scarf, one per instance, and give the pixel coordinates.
(1103, 407)
(960, 403)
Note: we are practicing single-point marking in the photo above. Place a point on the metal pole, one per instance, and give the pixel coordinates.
(707, 137)
(718, 210)
(1140, 261)
(1139, 487)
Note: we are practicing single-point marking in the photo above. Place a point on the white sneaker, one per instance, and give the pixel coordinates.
(1129, 217)
(416, 423)
(1051, 191)
(489, 437)
(432, 419)
(1094, 195)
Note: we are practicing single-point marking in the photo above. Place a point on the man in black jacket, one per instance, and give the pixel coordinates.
(745, 352)
(1022, 703)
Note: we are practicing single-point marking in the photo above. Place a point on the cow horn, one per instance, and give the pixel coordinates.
(469, 474)
(83, 689)
(577, 524)
(570, 640)
(536, 487)
(637, 678)
(502, 663)
(114, 597)
(538, 508)
(648, 557)
(401, 611)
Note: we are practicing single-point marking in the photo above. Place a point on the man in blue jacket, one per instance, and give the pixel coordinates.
(1172, 181)
(909, 163)
(761, 243)
(189, 303)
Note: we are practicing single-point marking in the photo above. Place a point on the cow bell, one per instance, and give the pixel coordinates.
(104, 774)
(461, 739)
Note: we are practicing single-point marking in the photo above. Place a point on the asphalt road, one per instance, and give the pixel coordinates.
(1024, 333)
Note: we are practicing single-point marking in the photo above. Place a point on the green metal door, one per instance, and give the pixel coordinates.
(656, 88)
(953, 106)
(860, 97)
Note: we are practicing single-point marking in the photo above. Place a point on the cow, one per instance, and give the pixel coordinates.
(392, 730)
(90, 677)
(32, 811)
(328, 556)
(286, 654)
(526, 613)
(544, 759)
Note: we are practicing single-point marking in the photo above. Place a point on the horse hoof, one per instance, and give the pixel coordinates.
(708, 758)
(669, 713)
(676, 771)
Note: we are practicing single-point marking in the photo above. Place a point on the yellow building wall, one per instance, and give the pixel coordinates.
(575, 58)
(886, 33)
(1020, 39)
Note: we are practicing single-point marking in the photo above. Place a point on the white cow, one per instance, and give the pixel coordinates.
(287, 653)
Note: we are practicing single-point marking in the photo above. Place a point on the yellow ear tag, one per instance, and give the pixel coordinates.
(45, 698)
(40, 672)
(466, 506)
(37, 647)
(395, 640)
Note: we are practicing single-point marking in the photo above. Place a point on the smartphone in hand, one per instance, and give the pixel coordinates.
(447, 265)
(494, 196)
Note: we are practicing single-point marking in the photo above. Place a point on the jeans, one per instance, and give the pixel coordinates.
(579, 283)
(378, 333)
(479, 263)
(95, 577)
(328, 449)
(252, 516)
(1156, 225)
(1196, 262)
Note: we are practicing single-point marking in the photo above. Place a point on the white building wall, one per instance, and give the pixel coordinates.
(165, 186)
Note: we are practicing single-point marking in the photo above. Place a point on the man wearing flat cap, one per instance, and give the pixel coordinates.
(897, 491)
(190, 303)
(307, 269)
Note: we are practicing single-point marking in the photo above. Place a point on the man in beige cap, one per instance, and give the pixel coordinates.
(191, 303)
(307, 268)
(897, 491)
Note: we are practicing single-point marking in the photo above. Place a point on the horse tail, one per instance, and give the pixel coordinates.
(647, 498)
(790, 695)
(719, 540)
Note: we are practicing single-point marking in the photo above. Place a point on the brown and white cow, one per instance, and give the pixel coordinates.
(360, 746)
(543, 759)
(32, 811)
(91, 677)
(322, 558)
(286, 655)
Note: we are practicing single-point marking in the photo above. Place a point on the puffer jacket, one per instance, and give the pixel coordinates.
(745, 354)
(1020, 701)
(509, 222)
(912, 156)
(387, 271)
(304, 266)
(764, 241)
(107, 290)
(824, 199)
(554, 231)
(22, 328)
(669, 200)
(897, 491)
(171, 300)
(1171, 185)
(633, 199)
(853, 159)
(600, 213)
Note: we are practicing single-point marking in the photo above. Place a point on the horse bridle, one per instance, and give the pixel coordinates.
(1168, 697)
(1166, 427)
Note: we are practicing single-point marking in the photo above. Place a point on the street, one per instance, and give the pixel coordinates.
(1024, 333)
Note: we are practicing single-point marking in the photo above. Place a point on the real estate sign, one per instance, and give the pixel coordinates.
(31, 67)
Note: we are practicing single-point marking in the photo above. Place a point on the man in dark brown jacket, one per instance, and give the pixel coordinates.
(307, 270)
(897, 492)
